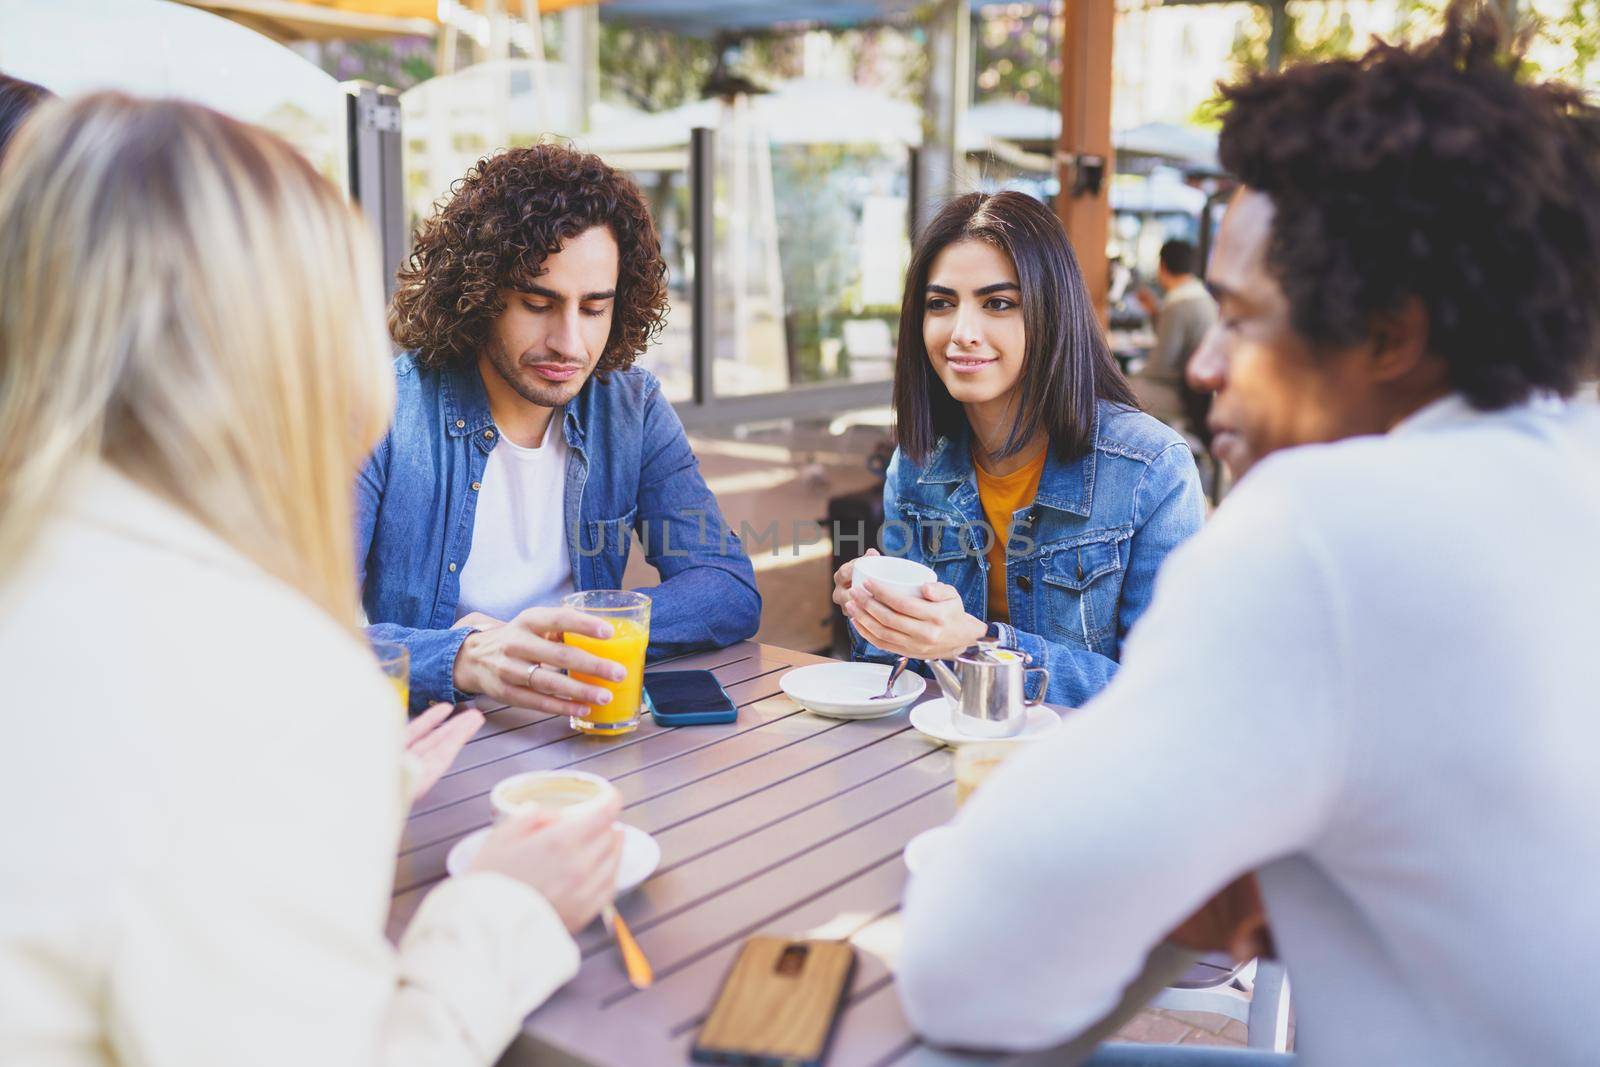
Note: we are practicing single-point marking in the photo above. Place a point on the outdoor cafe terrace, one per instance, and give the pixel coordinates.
(790, 156)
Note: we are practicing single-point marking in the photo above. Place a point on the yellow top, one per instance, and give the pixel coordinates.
(1001, 496)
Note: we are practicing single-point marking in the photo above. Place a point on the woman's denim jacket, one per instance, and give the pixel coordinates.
(630, 471)
(1082, 557)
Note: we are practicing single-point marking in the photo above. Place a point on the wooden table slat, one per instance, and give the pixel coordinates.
(752, 838)
(519, 729)
(726, 915)
(611, 757)
(595, 1004)
(783, 823)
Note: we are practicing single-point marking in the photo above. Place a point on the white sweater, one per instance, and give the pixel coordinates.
(200, 803)
(1375, 676)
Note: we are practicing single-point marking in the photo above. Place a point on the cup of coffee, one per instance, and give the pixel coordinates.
(564, 792)
(903, 576)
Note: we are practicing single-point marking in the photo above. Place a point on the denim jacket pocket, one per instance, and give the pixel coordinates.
(606, 543)
(1082, 587)
(935, 535)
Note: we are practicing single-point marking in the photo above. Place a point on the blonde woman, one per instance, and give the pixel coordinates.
(201, 786)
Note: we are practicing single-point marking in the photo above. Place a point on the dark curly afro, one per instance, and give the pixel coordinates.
(510, 212)
(1433, 172)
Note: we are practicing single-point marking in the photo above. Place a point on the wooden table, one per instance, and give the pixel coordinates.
(783, 822)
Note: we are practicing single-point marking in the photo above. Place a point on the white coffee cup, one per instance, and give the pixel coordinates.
(903, 576)
(567, 793)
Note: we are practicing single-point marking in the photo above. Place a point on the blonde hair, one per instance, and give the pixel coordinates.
(183, 297)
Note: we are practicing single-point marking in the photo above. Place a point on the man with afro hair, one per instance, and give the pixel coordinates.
(1381, 653)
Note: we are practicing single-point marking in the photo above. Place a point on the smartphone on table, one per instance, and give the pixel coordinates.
(688, 698)
(779, 1004)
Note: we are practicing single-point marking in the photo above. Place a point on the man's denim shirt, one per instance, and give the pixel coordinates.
(629, 470)
(1083, 556)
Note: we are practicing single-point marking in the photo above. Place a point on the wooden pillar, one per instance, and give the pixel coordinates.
(1086, 137)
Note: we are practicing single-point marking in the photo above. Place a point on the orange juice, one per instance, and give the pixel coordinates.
(626, 646)
(394, 660)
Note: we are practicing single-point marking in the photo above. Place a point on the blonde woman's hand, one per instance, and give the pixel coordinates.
(571, 860)
(433, 743)
(521, 662)
(932, 626)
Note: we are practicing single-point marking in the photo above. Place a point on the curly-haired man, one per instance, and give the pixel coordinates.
(527, 450)
(1385, 638)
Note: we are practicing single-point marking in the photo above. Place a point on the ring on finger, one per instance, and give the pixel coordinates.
(531, 669)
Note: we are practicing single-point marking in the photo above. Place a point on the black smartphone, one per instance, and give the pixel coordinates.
(779, 1004)
(688, 698)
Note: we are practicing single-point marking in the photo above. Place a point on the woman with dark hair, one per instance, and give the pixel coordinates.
(1026, 476)
(17, 99)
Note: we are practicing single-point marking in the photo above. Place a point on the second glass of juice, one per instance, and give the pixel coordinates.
(394, 659)
(629, 616)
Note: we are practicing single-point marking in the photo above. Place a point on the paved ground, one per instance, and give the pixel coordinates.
(1183, 1028)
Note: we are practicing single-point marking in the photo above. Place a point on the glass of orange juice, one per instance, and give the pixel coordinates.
(629, 616)
(395, 661)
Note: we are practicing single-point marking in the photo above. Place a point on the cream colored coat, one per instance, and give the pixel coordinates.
(200, 803)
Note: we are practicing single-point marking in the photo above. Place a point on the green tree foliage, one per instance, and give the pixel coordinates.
(1565, 33)
(1311, 32)
(1018, 57)
(1579, 26)
(398, 62)
(651, 69)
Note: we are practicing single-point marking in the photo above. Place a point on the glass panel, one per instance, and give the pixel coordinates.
(451, 122)
(162, 49)
(670, 357)
(812, 237)
(844, 246)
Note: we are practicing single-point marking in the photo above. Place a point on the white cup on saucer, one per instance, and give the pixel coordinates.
(903, 576)
(567, 793)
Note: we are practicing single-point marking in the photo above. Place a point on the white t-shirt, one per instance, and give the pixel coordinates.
(1375, 678)
(519, 556)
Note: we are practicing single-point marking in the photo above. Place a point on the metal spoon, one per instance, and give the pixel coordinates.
(894, 676)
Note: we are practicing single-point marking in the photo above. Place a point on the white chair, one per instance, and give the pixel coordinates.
(1254, 993)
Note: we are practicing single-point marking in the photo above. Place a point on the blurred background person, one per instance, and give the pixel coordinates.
(193, 365)
(1182, 314)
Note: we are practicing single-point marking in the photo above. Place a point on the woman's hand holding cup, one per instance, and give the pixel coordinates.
(901, 607)
(570, 856)
(842, 578)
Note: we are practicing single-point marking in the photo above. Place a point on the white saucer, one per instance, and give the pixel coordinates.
(640, 855)
(933, 718)
(921, 849)
(845, 690)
